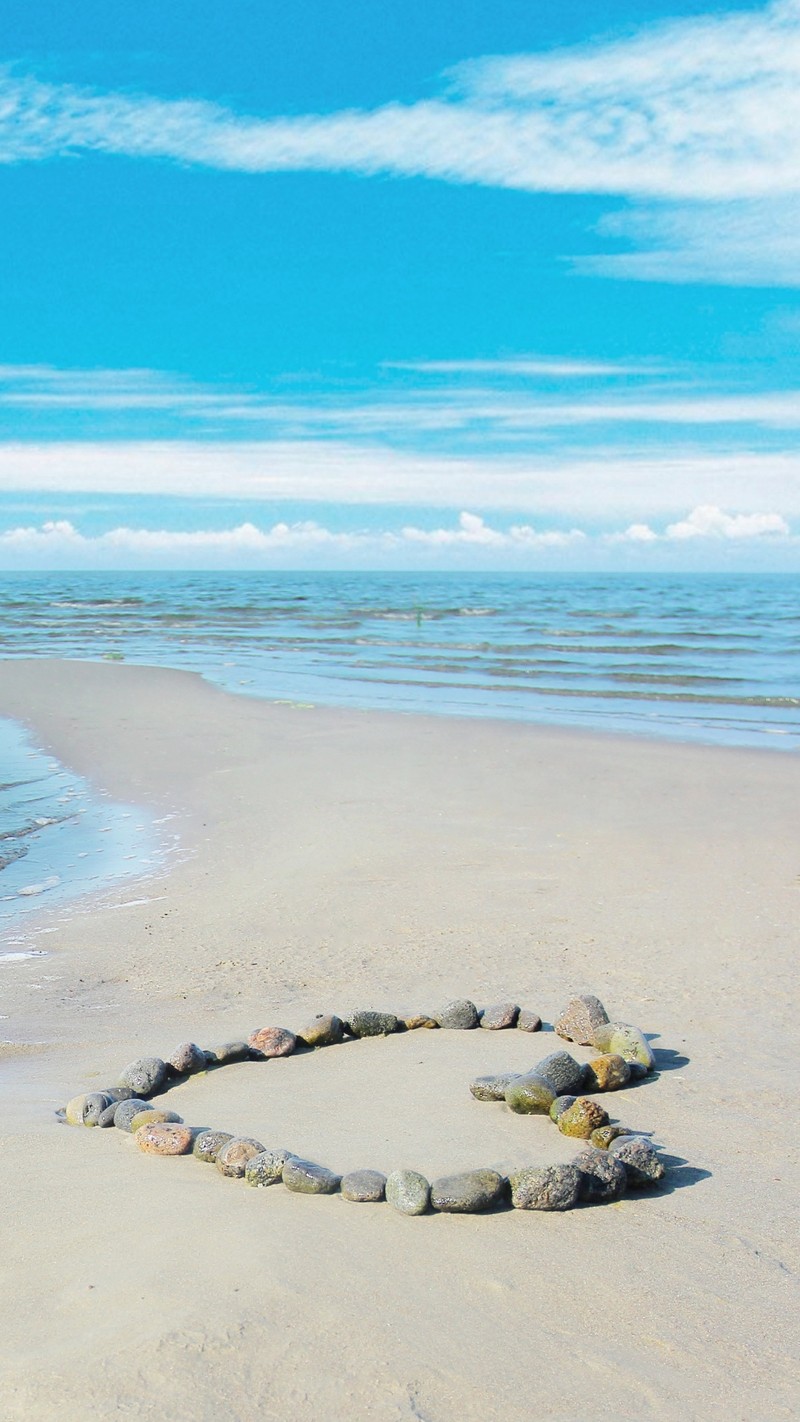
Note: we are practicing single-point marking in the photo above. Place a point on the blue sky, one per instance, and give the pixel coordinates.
(400, 285)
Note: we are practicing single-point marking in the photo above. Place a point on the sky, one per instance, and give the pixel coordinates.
(418, 285)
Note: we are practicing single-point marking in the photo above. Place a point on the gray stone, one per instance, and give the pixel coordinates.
(547, 1187)
(530, 1095)
(187, 1059)
(208, 1144)
(266, 1168)
(461, 1015)
(529, 1021)
(228, 1052)
(364, 1186)
(306, 1178)
(126, 1110)
(106, 1118)
(640, 1159)
(373, 1024)
(503, 1014)
(144, 1076)
(625, 1041)
(93, 1107)
(602, 1176)
(408, 1192)
(562, 1071)
(468, 1193)
(232, 1158)
(326, 1030)
(492, 1088)
(560, 1105)
(581, 1018)
(118, 1093)
(638, 1070)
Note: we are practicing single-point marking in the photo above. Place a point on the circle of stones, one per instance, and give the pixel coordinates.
(613, 1159)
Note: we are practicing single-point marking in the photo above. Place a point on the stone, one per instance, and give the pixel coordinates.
(326, 1030)
(581, 1018)
(602, 1176)
(144, 1076)
(528, 1021)
(266, 1168)
(461, 1015)
(545, 1187)
(640, 1159)
(373, 1024)
(607, 1073)
(306, 1178)
(415, 1020)
(638, 1070)
(187, 1059)
(492, 1088)
(149, 1117)
(530, 1095)
(364, 1186)
(560, 1105)
(106, 1118)
(231, 1159)
(74, 1109)
(604, 1135)
(582, 1117)
(164, 1139)
(228, 1052)
(93, 1107)
(503, 1014)
(625, 1041)
(272, 1042)
(468, 1193)
(408, 1192)
(564, 1074)
(126, 1110)
(118, 1093)
(208, 1145)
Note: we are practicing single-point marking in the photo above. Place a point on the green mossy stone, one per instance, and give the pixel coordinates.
(469, 1192)
(530, 1095)
(582, 1117)
(560, 1105)
(326, 1030)
(621, 1039)
(208, 1145)
(607, 1073)
(266, 1168)
(492, 1088)
(604, 1135)
(74, 1109)
(149, 1117)
(408, 1192)
(304, 1177)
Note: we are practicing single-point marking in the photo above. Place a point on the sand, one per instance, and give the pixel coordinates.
(335, 859)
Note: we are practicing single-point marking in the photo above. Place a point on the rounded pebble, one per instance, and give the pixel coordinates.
(607, 1073)
(408, 1192)
(304, 1177)
(461, 1015)
(228, 1052)
(492, 1088)
(373, 1024)
(161, 1139)
(528, 1021)
(106, 1118)
(74, 1109)
(144, 1076)
(272, 1042)
(560, 1105)
(604, 1135)
(126, 1110)
(364, 1186)
(93, 1107)
(208, 1145)
(546, 1187)
(530, 1095)
(602, 1176)
(501, 1015)
(562, 1071)
(232, 1158)
(625, 1041)
(468, 1193)
(148, 1117)
(187, 1059)
(326, 1030)
(118, 1093)
(640, 1159)
(581, 1118)
(266, 1168)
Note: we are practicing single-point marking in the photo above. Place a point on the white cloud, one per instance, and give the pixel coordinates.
(533, 366)
(710, 522)
(473, 531)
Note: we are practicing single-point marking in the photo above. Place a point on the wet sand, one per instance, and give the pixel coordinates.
(341, 859)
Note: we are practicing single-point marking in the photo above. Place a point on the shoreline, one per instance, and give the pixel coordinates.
(337, 859)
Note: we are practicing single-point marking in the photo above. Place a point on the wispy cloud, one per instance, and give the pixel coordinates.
(532, 366)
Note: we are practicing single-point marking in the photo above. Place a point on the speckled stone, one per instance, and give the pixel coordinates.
(373, 1024)
(528, 1021)
(564, 1074)
(492, 1088)
(306, 1178)
(364, 1187)
(74, 1109)
(266, 1168)
(461, 1015)
(149, 1117)
(272, 1042)
(228, 1052)
(581, 1018)
(208, 1145)
(468, 1193)
(93, 1107)
(502, 1014)
(144, 1076)
(187, 1059)
(118, 1093)
(583, 1117)
(161, 1139)
(232, 1158)
(640, 1159)
(625, 1041)
(604, 1135)
(546, 1187)
(607, 1073)
(408, 1192)
(530, 1095)
(126, 1110)
(106, 1118)
(560, 1105)
(602, 1176)
(326, 1030)
(415, 1020)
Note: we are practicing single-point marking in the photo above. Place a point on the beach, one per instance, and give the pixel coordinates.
(333, 859)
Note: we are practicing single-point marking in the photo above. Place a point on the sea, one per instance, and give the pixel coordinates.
(713, 659)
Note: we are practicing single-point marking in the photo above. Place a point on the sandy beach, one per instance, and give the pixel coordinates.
(337, 859)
